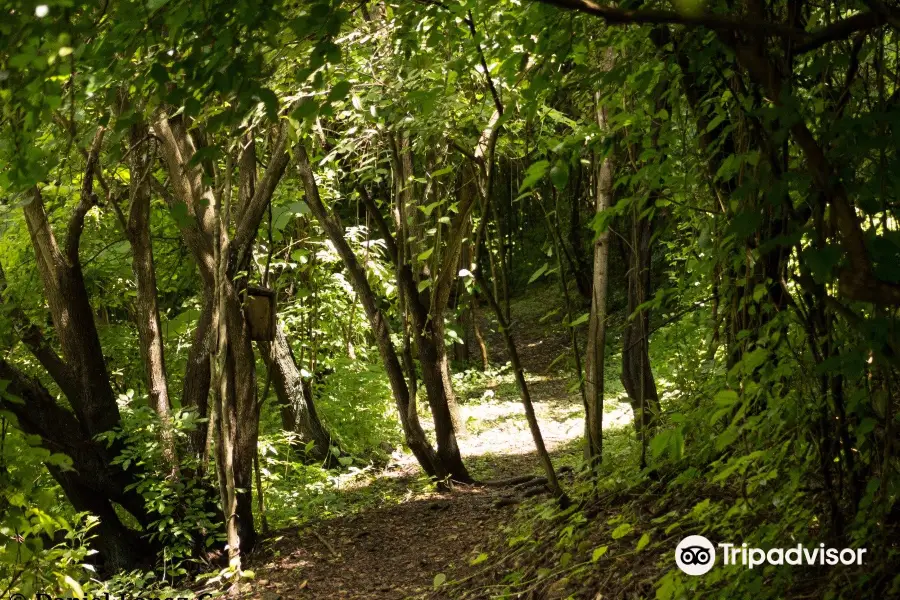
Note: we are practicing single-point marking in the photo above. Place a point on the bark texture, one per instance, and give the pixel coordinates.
(596, 341)
(298, 411)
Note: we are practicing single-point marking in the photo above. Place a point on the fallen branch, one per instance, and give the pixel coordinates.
(325, 543)
(510, 481)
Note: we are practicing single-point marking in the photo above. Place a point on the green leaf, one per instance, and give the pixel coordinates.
(479, 559)
(865, 427)
(598, 552)
(424, 255)
(339, 91)
(538, 273)
(645, 539)
(660, 442)
(439, 580)
(430, 208)
(726, 398)
(701, 508)
(158, 73)
(715, 123)
(74, 585)
(559, 174)
(621, 531)
(822, 262)
(534, 174)
(727, 437)
(306, 108)
(440, 172)
(270, 100)
(582, 319)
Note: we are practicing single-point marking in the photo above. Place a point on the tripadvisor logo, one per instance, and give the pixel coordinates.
(696, 555)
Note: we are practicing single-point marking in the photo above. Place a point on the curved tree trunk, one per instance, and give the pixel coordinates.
(82, 375)
(334, 229)
(94, 482)
(298, 412)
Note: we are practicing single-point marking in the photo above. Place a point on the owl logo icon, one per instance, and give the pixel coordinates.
(695, 555)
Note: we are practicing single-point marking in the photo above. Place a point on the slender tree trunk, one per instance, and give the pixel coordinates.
(426, 318)
(581, 269)
(334, 229)
(146, 301)
(479, 337)
(519, 372)
(596, 341)
(556, 236)
(197, 373)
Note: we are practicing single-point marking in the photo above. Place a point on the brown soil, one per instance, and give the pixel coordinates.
(392, 553)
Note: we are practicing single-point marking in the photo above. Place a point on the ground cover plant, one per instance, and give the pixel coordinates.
(426, 299)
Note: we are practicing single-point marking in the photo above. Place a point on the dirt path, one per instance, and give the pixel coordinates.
(392, 552)
(394, 549)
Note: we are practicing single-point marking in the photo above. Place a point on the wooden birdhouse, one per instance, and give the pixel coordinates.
(259, 310)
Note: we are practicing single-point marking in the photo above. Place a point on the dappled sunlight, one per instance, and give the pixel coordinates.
(499, 426)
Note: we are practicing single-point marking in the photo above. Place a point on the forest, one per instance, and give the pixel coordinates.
(449, 299)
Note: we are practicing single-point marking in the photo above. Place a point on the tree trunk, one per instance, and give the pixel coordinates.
(543, 455)
(580, 266)
(197, 373)
(94, 482)
(234, 375)
(596, 341)
(479, 337)
(436, 379)
(637, 376)
(221, 258)
(82, 375)
(298, 412)
(334, 229)
(146, 302)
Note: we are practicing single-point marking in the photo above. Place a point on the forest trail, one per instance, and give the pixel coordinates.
(393, 547)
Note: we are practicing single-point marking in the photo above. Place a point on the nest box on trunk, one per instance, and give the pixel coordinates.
(259, 308)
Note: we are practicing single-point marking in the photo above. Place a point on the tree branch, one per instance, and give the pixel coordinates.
(34, 340)
(806, 41)
(623, 16)
(487, 74)
(858, 282)
(380, 222)
(253, 212)
(87, 201)
(839, 30)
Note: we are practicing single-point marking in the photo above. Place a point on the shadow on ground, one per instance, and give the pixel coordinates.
(393, 551)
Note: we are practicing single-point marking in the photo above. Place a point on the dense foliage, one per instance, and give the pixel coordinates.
(250, 250)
